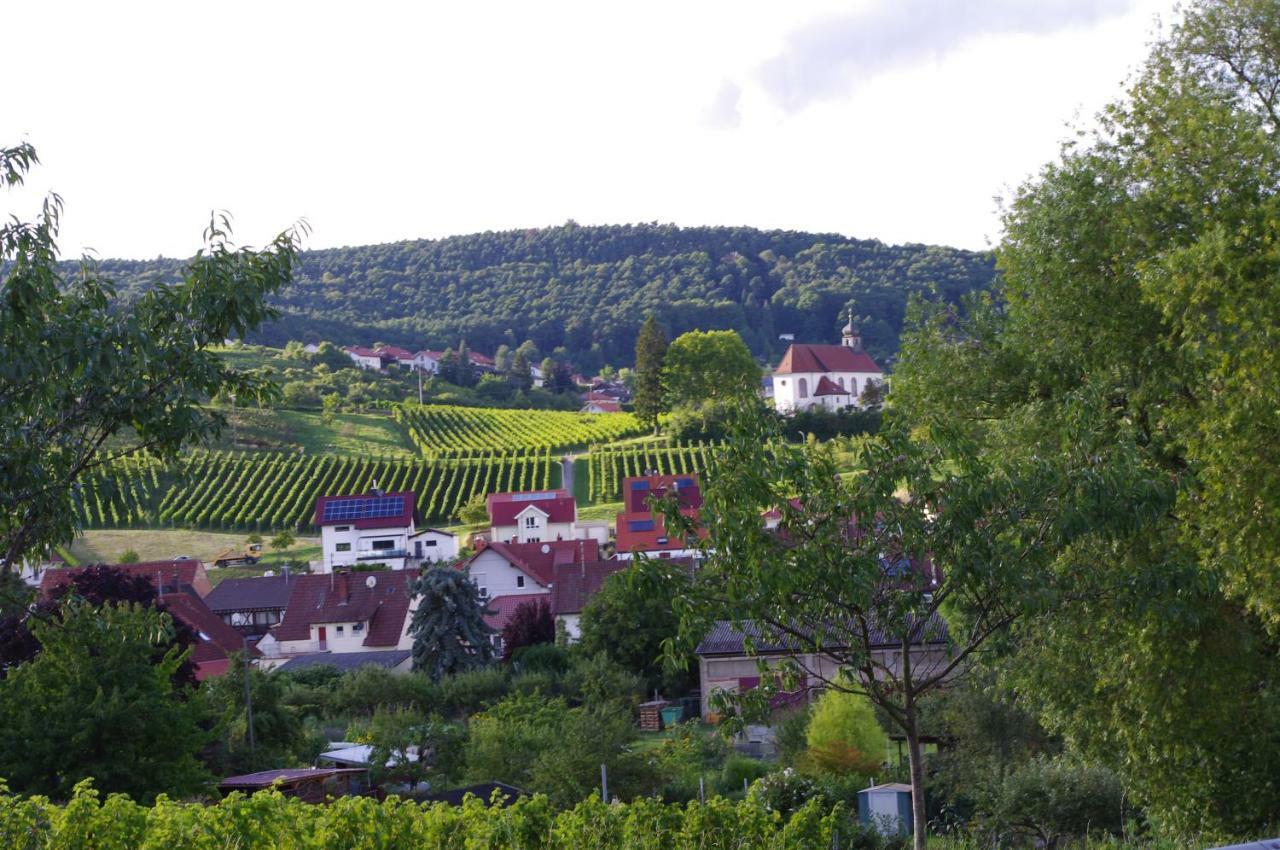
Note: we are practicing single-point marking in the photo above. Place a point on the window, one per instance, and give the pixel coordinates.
(531, 522)
(533, 540)
(804, 388)
(383, 545)
(357, 627)
(481, 584)
(342, 547)
(782, 383)
(339, 630)
(519, 581)
(428, 543)
(842, 382)
(342, 528)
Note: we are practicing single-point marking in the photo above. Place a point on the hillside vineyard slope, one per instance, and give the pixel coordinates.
(588, 289)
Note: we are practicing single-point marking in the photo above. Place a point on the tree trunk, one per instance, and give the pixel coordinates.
(916, 760)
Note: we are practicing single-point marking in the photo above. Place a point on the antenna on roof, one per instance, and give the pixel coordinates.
(375, 490)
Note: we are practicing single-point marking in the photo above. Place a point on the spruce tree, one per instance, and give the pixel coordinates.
(448, 628)
(651, 354)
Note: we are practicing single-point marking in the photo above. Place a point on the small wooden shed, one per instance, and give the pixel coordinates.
(887, 808)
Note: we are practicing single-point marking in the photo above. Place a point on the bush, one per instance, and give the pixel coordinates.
(595, 679)
(467, 693)
(364, 691)
(541, 657)
(784, 791)
(740, 770)
(844, 736)
(686, 753)
(1050, 800)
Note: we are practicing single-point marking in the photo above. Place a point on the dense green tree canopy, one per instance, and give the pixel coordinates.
(95, 703)
(589, 289)
(1142, 300)
(448, 628)
(75, 371)
(709, 366)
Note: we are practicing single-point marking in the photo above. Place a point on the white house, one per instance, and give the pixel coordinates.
(371, 528)
(365, 358)
(830, 377)
(431, 545)
(537, 516)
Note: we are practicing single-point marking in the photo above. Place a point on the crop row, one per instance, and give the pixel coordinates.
(607, 466)
(459, 432)
(223, 490)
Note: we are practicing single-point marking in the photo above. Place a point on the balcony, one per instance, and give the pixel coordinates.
(381, 554)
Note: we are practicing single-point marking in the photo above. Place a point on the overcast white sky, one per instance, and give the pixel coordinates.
(894, 119)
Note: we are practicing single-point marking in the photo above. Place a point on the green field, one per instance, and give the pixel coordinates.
(160, 544)
(449, 431)
(306, 431)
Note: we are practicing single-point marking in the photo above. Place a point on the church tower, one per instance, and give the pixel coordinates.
(850, 338)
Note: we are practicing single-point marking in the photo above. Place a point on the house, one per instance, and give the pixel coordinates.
(602, 405)
(216, 640)
(724, 663)
(343, 612)
(830, 377)
(310, 784)
(640, 530)
(311, 348)
(431, 545)
(566, 573)
(397, 355)
(167, 576)
(366, 358)
(251, 606)
(539, 515)
(368, 528)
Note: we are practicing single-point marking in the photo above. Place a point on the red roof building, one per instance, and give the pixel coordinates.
(532, 517)
(825, 358)
(345, 612)
(166, 576)
(640, 530)
(212, 655)
(829, 377)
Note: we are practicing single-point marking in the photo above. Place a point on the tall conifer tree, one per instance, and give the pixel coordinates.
(651, 354)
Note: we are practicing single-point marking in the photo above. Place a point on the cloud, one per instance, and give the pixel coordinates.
(831, 56)
(723, 113)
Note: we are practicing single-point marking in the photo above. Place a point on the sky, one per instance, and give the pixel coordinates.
(900, 120)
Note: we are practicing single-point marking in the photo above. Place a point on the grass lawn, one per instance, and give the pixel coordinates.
(605, 510)
(106, 546)
(299, 430)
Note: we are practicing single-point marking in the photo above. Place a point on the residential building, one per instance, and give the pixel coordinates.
(537, 516)
(641, 530)
(167, 576)
(573, 585)
(216, 641)
(366, 358)
(830, 377)
(251, 606)
(343, 612)
(368, 528)
(431, 545)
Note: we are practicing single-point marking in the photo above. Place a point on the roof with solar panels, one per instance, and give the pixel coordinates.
(374, 509)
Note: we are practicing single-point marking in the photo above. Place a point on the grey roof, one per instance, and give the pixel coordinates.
(725, 638)
(248, 594)
(344, 662)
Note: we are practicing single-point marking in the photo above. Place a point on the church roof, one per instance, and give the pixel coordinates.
(826, 386)
(802, 358)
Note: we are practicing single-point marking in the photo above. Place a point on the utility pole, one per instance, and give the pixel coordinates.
(604, 783)
(248, 698)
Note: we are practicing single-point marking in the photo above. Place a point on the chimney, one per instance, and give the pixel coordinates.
(341, 590)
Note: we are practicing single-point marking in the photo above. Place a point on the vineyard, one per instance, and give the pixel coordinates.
(269, 820)
(222, 490)
(608, 465)
(445, 431)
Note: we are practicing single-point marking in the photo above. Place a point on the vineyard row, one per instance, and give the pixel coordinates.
(459, 432)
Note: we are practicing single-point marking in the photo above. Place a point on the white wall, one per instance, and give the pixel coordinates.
(786, 388)
(436, 545)
(540, 532)
(496, 575)
(360, 542)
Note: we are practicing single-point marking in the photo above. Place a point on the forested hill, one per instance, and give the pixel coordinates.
(589, 288)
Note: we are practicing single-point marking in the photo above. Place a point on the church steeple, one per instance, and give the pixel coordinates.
(850, 338)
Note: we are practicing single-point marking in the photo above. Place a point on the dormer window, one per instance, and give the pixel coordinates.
(519, 581)
(531, 522)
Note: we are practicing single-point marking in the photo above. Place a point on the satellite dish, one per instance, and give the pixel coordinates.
(546, 547)
(370, 582)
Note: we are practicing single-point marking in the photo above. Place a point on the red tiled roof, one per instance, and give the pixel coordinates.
(217, 639)
(646, 532)
(776, 513)
(165, 575)
(824, 358)
(603, 405)
(558, 505)
(395, 351)
(480, 359)
(503, 608)
(539, 560)
(401, 520)
(637, 490)
(250, 594)
(826, 386)
(575, 584)
(347, 598)
(361, 351)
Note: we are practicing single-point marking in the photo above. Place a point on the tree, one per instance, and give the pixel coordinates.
(75, 371)
(474, 512)
(531, 623)
(95, 703)
(709, 366)
(278, 739)
(410, 748)
(844, 735)
(330, 355)
(283, 540)
(448, 628)
(631, 616)
(521, 376)
(898, 592)
(1140, 273)
(465, 374)
(651, 352)
(503, 359)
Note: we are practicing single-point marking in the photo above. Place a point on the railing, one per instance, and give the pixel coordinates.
(377, 554)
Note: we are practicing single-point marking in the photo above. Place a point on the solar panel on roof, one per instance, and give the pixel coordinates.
(532, 497)
(639, 485)
(372, 507)
(684, 482)
(640, 524)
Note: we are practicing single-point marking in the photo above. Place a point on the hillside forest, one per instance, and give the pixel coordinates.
(588, 289)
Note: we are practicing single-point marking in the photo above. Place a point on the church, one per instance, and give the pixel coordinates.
(831, 377)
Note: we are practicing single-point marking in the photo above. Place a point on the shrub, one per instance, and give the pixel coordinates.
(1050, 800)
(740, 770)
(844, 736)
(467, 693)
